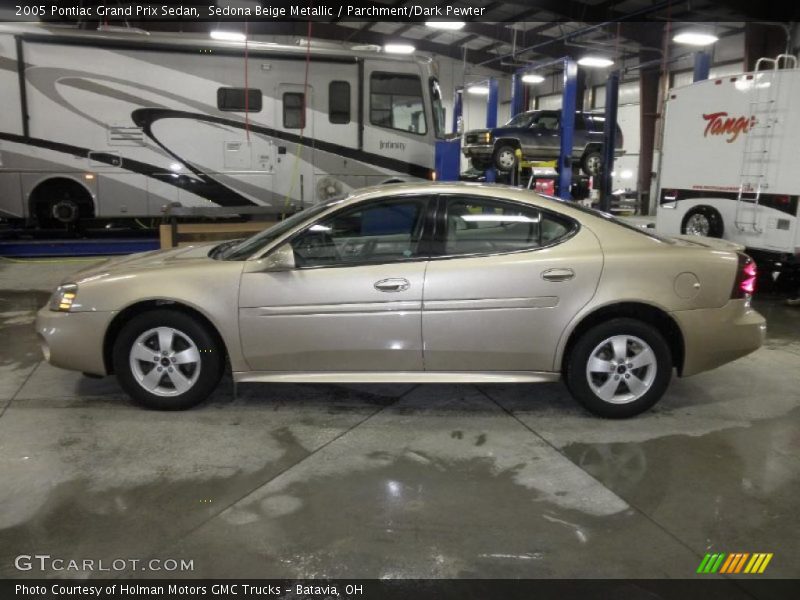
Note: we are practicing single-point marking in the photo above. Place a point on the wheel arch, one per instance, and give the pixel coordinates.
(641, 311)
(61, 181)
(144, 306)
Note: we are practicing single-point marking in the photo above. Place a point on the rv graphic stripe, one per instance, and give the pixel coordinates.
(145, 117)
(202, 186)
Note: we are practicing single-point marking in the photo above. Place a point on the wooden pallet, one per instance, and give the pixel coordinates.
(182, 234)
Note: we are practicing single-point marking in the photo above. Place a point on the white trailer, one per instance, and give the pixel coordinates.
(109, 125)
(729, 161)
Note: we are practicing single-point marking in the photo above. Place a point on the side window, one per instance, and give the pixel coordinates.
(293, 110)
(486, 226)
(379, 232)
(396, 102)
(234, 99)
(339, 102)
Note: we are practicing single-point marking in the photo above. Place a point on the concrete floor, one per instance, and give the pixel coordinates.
(303, 481)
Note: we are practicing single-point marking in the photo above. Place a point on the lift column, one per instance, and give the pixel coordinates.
(702, 65)
(609, 141)
(491, 121)
(567, 128)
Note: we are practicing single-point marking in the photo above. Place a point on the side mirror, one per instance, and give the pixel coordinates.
(280, 259)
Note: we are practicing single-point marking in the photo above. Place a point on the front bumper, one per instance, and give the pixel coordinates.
(74, 340)
(716, 336)
(479, 150)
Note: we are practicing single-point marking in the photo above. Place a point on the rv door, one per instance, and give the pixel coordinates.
(294, 119)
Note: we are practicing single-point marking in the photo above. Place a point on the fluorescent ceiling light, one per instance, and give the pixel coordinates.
(595, 61)
(695, 38)
(228, 36)
(480, 90)
(532, 78)
(398, 48)
(451, 25)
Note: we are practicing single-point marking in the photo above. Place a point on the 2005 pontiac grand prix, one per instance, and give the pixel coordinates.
(415, 283)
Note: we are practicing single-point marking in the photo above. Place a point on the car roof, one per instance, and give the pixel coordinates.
(489, 190)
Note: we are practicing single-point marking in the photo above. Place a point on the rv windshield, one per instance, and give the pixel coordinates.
(251, 245)
(438, 109)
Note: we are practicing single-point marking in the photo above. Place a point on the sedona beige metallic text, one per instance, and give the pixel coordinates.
(415, 283)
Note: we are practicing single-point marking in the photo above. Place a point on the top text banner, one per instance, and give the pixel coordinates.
(318, 10)
(410, 11)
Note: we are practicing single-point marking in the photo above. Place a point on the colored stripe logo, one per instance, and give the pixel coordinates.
(736, 562)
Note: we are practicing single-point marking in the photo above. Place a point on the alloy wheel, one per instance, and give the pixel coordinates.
(165, 361)
(698, 224)
(621, 369)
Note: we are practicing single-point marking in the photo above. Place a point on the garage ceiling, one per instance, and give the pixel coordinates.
(510, 31)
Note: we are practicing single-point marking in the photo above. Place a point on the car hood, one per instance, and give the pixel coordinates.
(154, 259)
(496, 132)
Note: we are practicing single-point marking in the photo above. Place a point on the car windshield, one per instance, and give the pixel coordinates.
(251, 245)
(617, 221)
(521, 120)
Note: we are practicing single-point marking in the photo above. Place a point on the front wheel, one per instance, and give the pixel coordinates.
(505, 158)
(166, 360)
(619, 369)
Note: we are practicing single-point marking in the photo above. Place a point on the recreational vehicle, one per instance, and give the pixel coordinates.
(729, 161)
(121, 124)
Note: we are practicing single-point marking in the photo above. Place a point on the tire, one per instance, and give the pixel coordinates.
(193, 380)
(613, 398)
(504, 158)
(703, 220)
(591, 162)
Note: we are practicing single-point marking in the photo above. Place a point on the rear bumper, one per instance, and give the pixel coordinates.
(716, 336)
(74, 340)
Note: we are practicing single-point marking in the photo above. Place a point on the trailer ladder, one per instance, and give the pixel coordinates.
(764, 115)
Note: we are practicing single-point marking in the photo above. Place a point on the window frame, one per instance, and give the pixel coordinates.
(303, 109)
(349, 102)
(221, 90)
(429, 202)
(422, 100)
(439, 240)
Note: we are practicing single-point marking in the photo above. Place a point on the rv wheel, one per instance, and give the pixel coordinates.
(704, 221)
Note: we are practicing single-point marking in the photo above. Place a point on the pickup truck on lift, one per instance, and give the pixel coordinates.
(538, 134)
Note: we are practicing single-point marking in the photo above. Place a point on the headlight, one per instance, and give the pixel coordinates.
(485, 137)
(63, 298)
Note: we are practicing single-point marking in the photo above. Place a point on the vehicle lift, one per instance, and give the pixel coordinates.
(448, 152)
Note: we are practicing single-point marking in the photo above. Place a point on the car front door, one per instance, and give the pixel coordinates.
(504, 281)
(353, 301)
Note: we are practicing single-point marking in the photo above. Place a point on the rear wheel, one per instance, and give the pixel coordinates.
(166, 360)
(619, 369)
(704, 221)
(591, 162)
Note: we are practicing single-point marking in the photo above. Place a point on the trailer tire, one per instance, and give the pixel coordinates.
(704, 221)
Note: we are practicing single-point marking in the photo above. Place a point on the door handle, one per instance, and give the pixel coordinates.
(397, 284)
(558, 274)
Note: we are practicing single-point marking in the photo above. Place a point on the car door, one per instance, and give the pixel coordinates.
(353, 301)
(504, 281)
(546, 138)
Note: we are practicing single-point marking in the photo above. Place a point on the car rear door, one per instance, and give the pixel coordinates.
(504, 281)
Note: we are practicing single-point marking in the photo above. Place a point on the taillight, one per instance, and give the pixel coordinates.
(746, 275)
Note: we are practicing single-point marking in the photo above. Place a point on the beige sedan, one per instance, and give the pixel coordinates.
(415, 283)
